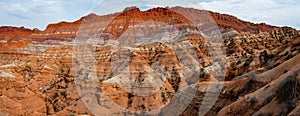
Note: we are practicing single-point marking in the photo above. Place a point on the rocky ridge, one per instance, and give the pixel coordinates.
(257, 74)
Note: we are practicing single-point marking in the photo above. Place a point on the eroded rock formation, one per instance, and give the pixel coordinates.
(38, 69)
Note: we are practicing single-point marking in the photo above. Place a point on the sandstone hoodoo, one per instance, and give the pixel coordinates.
(156, 62)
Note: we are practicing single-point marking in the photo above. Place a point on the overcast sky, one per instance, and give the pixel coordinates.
(39, 13)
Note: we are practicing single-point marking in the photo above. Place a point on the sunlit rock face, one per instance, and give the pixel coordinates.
(135, 61)
(147, 61)
(265, 50)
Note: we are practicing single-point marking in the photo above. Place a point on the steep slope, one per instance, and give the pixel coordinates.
(14, 33)
(273, 92)
(57, 78)
(66, 30)
(14, 37)
(278, 97)
(228, 22)
(247, 52)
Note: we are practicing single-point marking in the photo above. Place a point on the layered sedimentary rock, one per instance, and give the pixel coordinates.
(13, 37)
(67, 30)
(52, 74)
(247, 52)
(14, 33)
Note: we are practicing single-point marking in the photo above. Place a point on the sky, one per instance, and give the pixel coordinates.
(40, 13)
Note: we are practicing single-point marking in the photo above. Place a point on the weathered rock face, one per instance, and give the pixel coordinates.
(228, 22)
(131, 18)
(14, 33)
(65, 31)
(13, 37)
(149, 77)
(247, 52)
(41, 79)
(263, 81)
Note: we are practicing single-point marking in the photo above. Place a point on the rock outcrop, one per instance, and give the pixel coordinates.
(49, 72)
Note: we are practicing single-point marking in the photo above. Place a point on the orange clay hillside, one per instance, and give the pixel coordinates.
(261, 70)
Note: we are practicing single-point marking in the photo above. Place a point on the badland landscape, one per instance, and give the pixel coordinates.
(162, 61)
